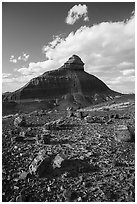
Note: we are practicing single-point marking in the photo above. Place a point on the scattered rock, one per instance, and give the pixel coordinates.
(7, 117)
(120, 164)
(117, 116)
(23, 175)
(19, 139)
(71, 196)
(19, 198)
(16, 187)
(20, 121)
(124, 133)
(112, 116)
(131, 129)
(74, 196)
(30, 139)
(106, 109)
(54, 125)
(30, 132)
(49, 189)
(110, 121)
(80, 114)
(46, 138)
(22, 134)
(67, 195)
(36, 162)
(70, 112)
(94, 119)
(45, 168)
(88, 148)
(57, 161)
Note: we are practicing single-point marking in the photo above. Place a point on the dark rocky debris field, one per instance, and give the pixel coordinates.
(58, 157)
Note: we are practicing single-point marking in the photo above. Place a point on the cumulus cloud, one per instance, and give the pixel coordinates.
(77, 12)
(24, 57)
(51, 45)
(12, 83)
(107, 49)
(13, 59)
(35, 69)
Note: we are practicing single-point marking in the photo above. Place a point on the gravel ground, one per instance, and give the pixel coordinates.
(98, 168)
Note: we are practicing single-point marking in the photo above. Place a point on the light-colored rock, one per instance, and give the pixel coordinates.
(122, 134)
(19, 121)
(57, 161)
(36, 162)
(23, 175)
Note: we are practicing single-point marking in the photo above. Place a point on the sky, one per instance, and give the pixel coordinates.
(41, 36)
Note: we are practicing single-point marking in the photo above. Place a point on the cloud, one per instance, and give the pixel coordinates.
(51, 45)
(12, 59)
(107, 49)
(77, 12)
(5, 75)
(24, 57)
(35, 69)
(19, 58)
(128, 72)
(12, 83)
(125, 64)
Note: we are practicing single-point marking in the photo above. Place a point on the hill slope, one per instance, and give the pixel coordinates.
(70, 82)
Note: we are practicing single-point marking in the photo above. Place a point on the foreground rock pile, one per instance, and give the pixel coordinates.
(53, 157)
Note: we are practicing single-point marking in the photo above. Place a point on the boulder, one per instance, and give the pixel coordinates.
(51, 166)
(124, 133)
(94, 119)
(80, 114)
(22, 134)
(17, 121)
(45, 168)
(36, 162)
(20, 121)
(57, 161)
(54, 125)
(23, 175)
(89, 119)
(19, 198)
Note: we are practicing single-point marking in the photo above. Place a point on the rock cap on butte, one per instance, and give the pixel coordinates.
(74, 63)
